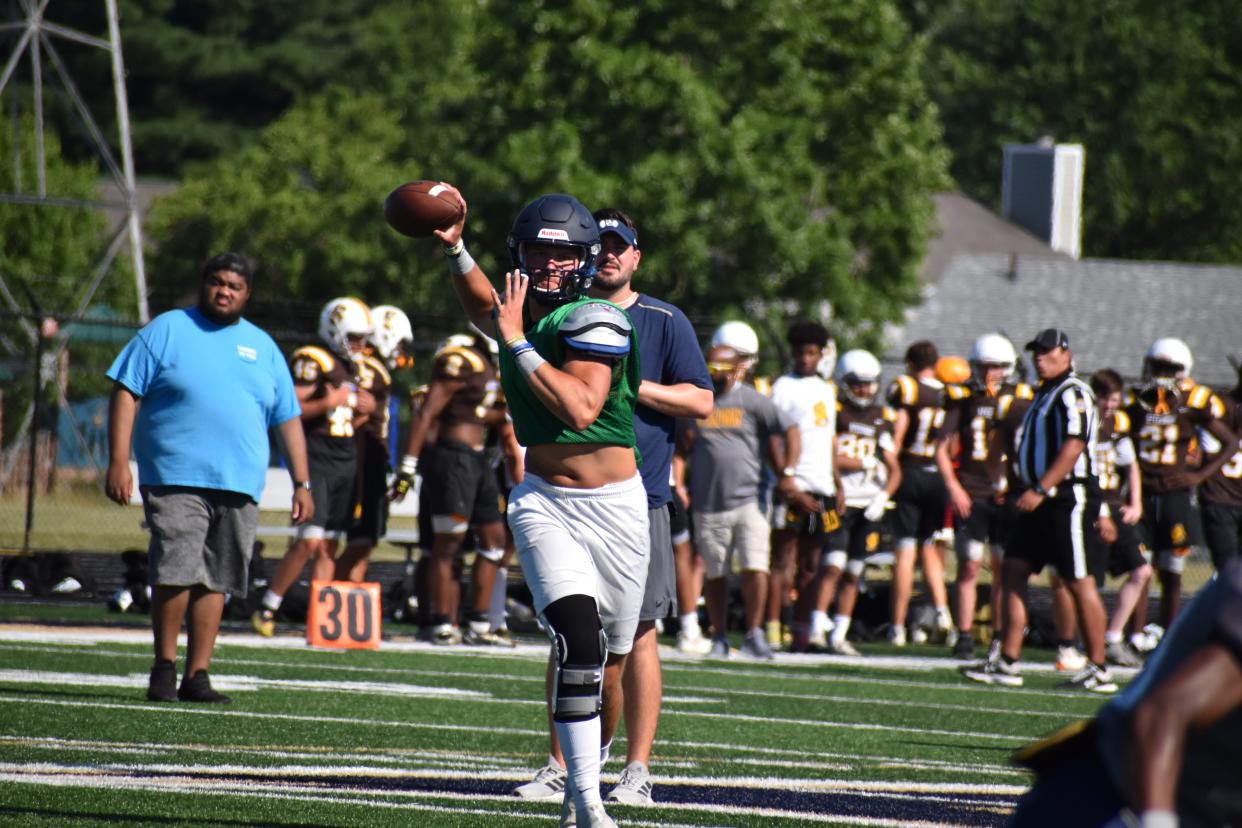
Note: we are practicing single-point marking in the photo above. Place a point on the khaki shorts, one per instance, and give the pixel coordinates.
(742, 532)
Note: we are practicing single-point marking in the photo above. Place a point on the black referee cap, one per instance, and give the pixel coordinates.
(1049, 339)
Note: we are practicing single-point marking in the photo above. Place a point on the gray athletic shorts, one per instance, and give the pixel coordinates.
(661, 591)
(200, 536)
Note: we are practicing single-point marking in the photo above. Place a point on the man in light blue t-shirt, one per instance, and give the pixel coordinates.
(210, 385)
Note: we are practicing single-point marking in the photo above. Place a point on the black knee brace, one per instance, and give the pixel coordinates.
(581, 646)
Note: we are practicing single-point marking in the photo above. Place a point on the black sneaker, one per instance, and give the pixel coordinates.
(163, 683)
(964, 648)
(197, 688)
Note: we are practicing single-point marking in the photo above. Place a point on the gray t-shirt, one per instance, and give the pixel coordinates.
(729, 448)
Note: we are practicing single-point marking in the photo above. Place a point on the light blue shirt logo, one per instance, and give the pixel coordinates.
(247, 354)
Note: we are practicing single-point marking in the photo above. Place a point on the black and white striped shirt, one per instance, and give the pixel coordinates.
(1063, 408)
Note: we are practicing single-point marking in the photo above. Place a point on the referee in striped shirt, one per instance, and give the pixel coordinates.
(1055, 521)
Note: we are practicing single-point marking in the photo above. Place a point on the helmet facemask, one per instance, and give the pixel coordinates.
(867, 389)
(556, 221)
(979, 374)
(568, 285)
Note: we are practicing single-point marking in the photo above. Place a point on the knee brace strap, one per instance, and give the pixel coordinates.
(573, 625)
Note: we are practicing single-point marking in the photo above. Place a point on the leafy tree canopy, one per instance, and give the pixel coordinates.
(776, 155)
(1151, 90)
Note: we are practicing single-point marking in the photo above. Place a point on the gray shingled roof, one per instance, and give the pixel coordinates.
(1112, 310)
(965, 227)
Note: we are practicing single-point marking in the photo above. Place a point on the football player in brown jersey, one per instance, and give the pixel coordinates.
(388, 348)
(1010, 410)
(1222, 492)
(461, 489)
(870, 474)
(333, 408)
(919, 400)
(1121, 489)
(979, 517)
(1166, 413)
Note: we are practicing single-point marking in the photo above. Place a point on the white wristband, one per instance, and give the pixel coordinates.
(409, 465)
(459, 260)
(528, 362)
(1157, 819)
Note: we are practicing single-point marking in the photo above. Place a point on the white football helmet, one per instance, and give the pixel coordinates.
(457, 340)
(1171, 351)
(741, 338)
(341, 318)
(393, 336)
(858, 367)
(992, 349)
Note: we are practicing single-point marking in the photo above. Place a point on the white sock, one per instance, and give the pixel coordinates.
(819, 623)
(272, 601)
(604, 753)
(1111, 637)
(580, 747)
(840, 627)
(690, 624)
(496, 607)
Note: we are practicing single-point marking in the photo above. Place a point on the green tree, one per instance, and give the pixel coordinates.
(1151, 90)
(204, 79)
(778, 156)
(52, 252)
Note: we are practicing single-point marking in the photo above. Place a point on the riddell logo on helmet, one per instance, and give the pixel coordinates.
(552, 233)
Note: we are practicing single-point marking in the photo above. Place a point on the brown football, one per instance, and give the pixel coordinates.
(419, 207)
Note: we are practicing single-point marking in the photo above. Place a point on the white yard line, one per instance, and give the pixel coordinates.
(524, 651)
(453, 759)
(93, 777)
(86, 680)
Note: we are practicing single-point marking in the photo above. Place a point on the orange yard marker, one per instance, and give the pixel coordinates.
(344, 614)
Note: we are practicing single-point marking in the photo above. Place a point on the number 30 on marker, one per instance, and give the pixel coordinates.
(344, 614)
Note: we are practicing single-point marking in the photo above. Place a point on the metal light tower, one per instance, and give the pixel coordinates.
(36, 39)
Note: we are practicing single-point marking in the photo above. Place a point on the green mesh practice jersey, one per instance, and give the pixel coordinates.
(592, 326)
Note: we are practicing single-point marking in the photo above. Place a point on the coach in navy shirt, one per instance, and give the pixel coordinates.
(675, 384)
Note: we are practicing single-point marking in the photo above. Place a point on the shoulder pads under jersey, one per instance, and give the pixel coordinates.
(889, 413)
(455, 362)
(1121, 422)
(903, 391)
(377, 367)
(958, 392)
(597, 328)
(1203, 398)
(311, 355)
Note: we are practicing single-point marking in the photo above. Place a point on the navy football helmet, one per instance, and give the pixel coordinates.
(562, 221)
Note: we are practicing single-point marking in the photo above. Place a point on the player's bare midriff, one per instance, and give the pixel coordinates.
(581, 465)
(471, 434)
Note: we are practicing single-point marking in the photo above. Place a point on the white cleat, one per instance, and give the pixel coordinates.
(693, 643)
(549, 783)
